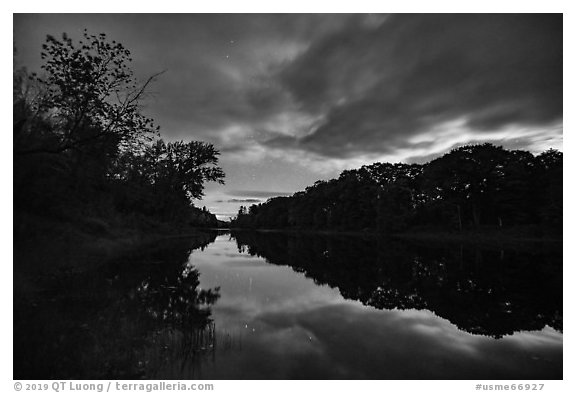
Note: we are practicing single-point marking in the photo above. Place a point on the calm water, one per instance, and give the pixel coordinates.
(260, 306)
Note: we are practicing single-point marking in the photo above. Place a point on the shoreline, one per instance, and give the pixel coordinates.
(508, 237)
(47, 246)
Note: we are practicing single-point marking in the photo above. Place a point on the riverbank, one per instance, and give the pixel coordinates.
(93, 235)
(46, 246)
(509, 237)
(81, 293)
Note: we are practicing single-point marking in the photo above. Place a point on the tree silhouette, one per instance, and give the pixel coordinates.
(471, 187)
(168, 176)
(83, 147)
(90, 93)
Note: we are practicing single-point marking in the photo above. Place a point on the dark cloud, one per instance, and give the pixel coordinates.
(380, 86)
(217, 66)
(422, 159)
(268, 90)
(257, 193)
(246, 200)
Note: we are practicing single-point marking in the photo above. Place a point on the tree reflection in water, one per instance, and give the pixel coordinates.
(145, 315)
(129, 318)
(487, 291)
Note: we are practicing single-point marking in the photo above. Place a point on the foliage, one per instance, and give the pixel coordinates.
(89, 93)
(83, 146)
(470, 187)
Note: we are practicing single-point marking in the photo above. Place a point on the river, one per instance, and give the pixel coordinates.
(287, 306)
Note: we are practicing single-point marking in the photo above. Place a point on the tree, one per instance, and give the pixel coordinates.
(167, 177)
(473, 186)
(394, 208)
(88, 93)
(468, 178)
(82, 144)
(192, 164)
(550, 181)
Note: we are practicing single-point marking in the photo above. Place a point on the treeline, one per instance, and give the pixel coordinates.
(83, 150)
(469, 188)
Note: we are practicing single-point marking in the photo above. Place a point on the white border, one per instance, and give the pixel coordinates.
(298, 6)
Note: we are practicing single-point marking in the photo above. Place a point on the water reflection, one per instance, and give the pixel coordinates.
(492, 292)
(261, 306)
(300, 312)
(127, 318)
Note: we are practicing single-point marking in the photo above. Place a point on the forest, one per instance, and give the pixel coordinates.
(86, 155)
(471, 188)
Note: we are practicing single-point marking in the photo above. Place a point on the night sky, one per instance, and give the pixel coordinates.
(291, 99)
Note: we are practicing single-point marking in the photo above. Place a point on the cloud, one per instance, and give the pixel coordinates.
(221, 77)
(257, 193)
(217, 66)
(378, 86)
(247, 200)
(308, 95)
